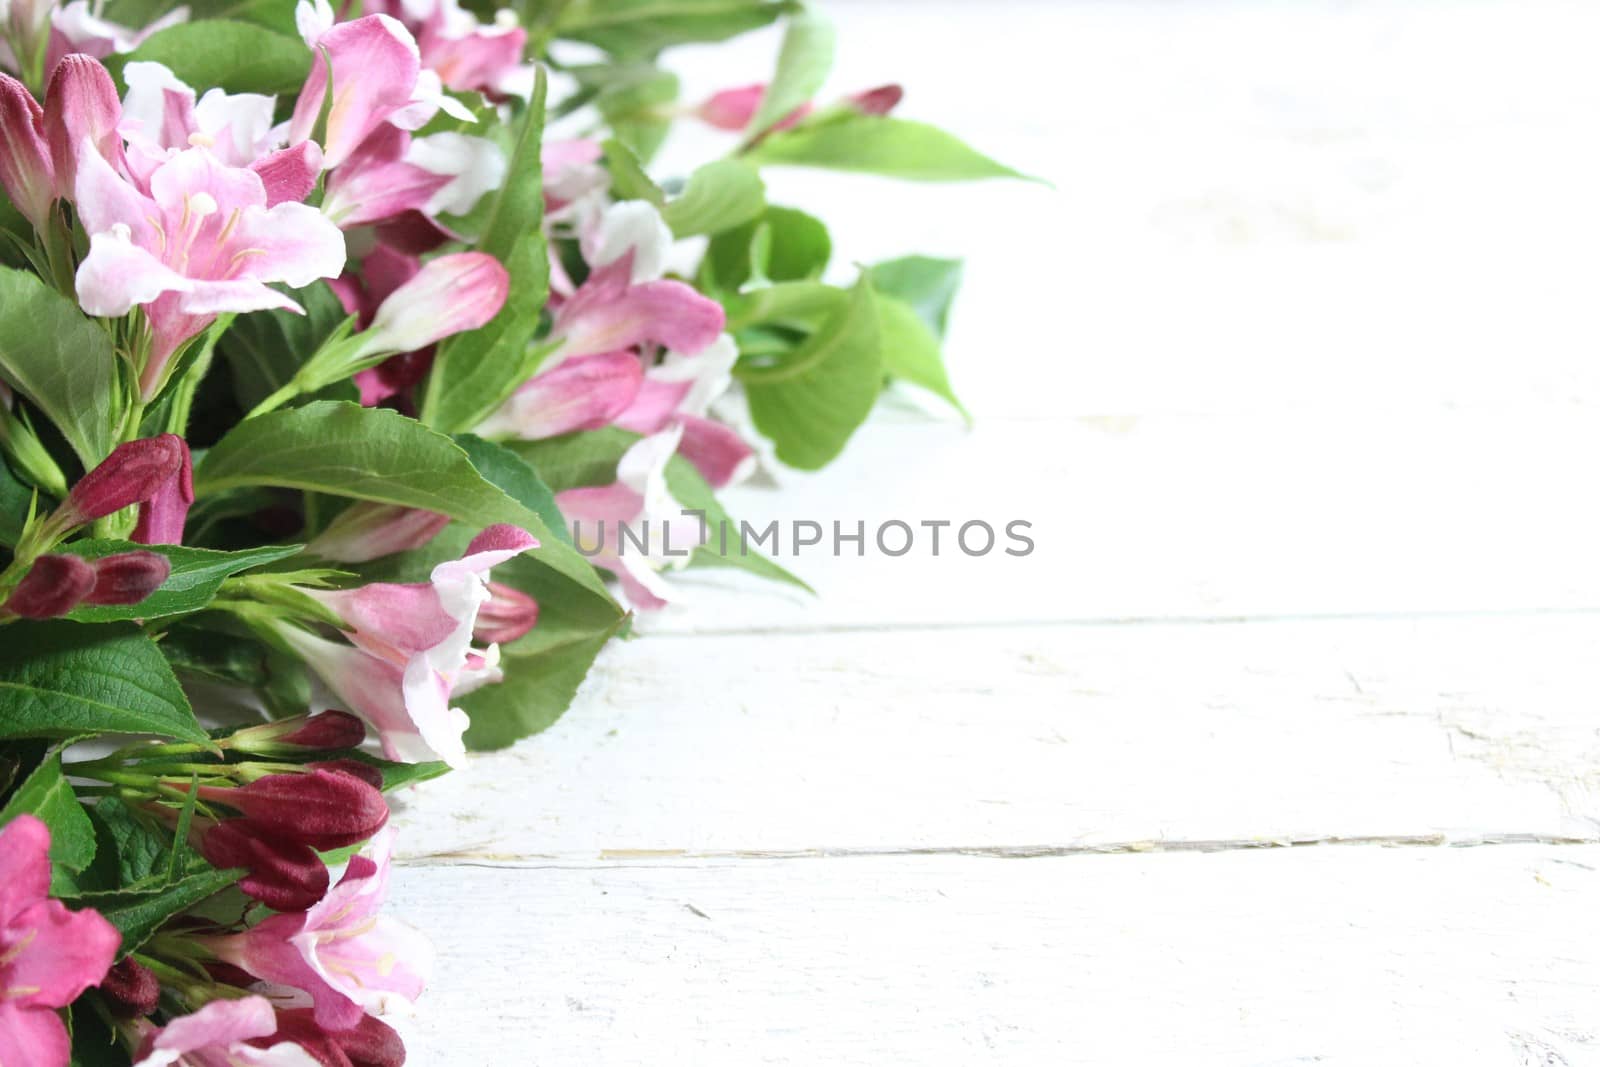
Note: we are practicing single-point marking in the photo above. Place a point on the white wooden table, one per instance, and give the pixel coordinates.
(1283, 747)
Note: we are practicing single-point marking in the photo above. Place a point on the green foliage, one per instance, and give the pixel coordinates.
(139, 913)
(240, 57)
(782, 244)
(64, 679)
(803, 65)
(264, 349)
(642, 28)
(911, 349)
(60, 361)
(721, 195)
(48, 795)
(196, 575)
(925, 284)
(878, 144)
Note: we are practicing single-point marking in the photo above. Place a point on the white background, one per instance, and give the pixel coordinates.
(1282, 746)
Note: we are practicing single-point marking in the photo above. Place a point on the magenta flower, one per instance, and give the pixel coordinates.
(411, 649)
(505, 616)
(585, 393)
(220, 1035)
(351, 959)
(375, 69)
(78, 28)
(467, 55)
(48, 954)
(449, 295)
(26, 172)
(39, 147)
(202, 243)
(663, 534)
(732, 109)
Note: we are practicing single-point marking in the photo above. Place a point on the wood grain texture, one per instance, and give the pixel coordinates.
(1280, 748)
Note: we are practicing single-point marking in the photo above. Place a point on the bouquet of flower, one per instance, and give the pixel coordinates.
(329, 382)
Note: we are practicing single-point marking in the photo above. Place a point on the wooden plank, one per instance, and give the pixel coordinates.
(1352, 956)
(1292, 514)
(1016, 739)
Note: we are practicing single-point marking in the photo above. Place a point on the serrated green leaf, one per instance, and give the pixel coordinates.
(48, 795)
(264, 349)
(59, 359)
(721, 195)
(878, 144)
(138, 914)
(65, 679)
(196, 575)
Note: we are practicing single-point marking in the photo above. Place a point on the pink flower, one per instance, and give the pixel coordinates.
(366, 531)
(128, 577)
(585, 393)
(39, 148)
(449, 295)
(732, 109)
(218, 1035)
(624, 302)
(677, 392)
(53, 586)
(391, 173)
(202, 243)
(163, 513)
(375, 69)
(634, 527)
(48, 954)
(351, 959)
(505, 616)
(77, 28)
(25, 166)
(133, 473)
(467, 55)
(572, 171)
(412, 649)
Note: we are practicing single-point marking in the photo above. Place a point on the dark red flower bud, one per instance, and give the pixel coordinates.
(371, 1043)
(321, 808)
(128, 577)
(300, 1026)
(284, 875)
(364, 771)
(130, 475)
(130, 989)
(162, 516)
(879, 101)
(327, 731)
(505, 616)
(53, 586)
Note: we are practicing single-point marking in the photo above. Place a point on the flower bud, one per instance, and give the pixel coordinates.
(132, 474)
(299, 1025)
(732, 109)
(365, 531)
(327, 731)
(371, 1043)
(284, 875)
(449, 295)
(505, 616)
(25, 168)
(52, 587)
(878, 101)
(364, 771)
(161, 518)
(130, 989)
(80, 103)
(321, 808)
(128, 577)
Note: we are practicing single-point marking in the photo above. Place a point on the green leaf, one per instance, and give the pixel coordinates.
(927, 284)
(812, 400)
(522, 483)
(238, 57)
(802, 305)
(373, 454)
(798, 248)
(196, 575)
(474, 372)
(519, 205)
(396, 775)
(47, 794)
(208, 647)
(724, 546)
(721, 195)
(911, 350)
(645, 27)
(140, 852)
(14, 500)
(64, 679)
(264, 349)
(60, 360)
(638, 109)
(138, 914)
(628, 179)
(803, 65)
(877, 144)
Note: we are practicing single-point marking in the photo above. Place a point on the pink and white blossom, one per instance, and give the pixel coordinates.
(349, 957)
(679, 391)
(78, 28)
(48, 954)
(203, 242)
(367, 531)
(465, 53)
(634, 527)
(585, 393)
(410, 649)
(219, 1035)
(449, 295)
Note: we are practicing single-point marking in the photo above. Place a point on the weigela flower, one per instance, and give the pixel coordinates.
(202, 243)
(162, 515)
(411, 649)
(366, 531)
(449, 295)
(48, 954)
(634, 527)
(324, 809)
(132, 474)
(283, 875)
(369, 1043)
(351, 959)
(221, 1035)
(678, 391)
(130, 989)
(732, 109)
(467, 55)
(40, 146)
(128, 577)
(326, 731)
(53, 586)
(505, 616)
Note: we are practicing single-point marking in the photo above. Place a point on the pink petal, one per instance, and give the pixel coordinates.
(450, 294)
(614, 502)
(585, 393)
(24, 866)
(376, 193)
(32, 1037)
(498, 543)
(116, 275)
(720, 455)
(103, 199)
(218, 1025)
(667, 313)
(290, 173)
(290, 243)
(81, 105)
(375, 68)
(68, 952)
(477, 61)
(655, 405)
(25, 168)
